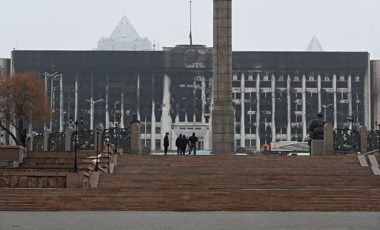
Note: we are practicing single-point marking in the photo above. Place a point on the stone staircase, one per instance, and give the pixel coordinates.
(50, 170)
(215, 183)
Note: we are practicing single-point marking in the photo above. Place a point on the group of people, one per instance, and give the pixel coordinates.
(182, 143)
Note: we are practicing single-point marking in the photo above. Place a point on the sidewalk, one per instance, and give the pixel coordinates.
(189, 220)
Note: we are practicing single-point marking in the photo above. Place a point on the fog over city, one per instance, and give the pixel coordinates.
(258, 25)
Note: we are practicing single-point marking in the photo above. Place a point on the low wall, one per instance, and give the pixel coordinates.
(12, 154)
(42, 180)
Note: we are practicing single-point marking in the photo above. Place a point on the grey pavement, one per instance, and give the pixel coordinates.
(190, 220)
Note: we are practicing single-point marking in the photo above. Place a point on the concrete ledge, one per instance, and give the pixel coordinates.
(12, 153)
(32, 180)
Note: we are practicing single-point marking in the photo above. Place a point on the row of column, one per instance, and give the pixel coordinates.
(166, 119)
(289, 111)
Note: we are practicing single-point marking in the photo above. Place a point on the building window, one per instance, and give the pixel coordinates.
(236, 84)
(296, 79)
(327, 79)
(311, 79)
(250, 84)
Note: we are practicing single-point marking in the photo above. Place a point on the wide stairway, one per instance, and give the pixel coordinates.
(215, 183)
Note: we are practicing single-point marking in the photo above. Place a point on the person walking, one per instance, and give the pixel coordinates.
(192, 142)
(184, 143)
(178, 143)
(166, 143)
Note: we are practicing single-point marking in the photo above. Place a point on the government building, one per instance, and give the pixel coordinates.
(275, 94)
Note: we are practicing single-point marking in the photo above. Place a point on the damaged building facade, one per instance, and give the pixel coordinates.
(275, 94)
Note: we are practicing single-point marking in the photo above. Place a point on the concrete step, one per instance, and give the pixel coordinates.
(190, 200)
(238, 181)
(213, 183)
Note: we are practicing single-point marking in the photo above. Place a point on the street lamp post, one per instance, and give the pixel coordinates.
(75, 124)
(117, 121)
(92, 104)
(325, 108)
(52, 76)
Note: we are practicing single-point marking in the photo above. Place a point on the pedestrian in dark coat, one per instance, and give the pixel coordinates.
(178, 143)
(184, 143)
(166, 143)
(193, 142)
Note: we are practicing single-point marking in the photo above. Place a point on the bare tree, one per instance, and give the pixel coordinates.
(23, 99)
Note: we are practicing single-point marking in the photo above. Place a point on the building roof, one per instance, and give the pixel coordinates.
(124, 37)
(314, 45)
(124, 31)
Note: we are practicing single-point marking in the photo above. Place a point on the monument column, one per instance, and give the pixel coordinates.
(222, 113)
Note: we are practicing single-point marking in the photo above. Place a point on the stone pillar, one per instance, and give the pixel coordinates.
(363, 133)
(107, 114)
(138, 97)
(32, 139)
(166, 120)
(92, 102)
(273, 85)
(122, 105)
(68, 140)
(135, 139)
(328, 139)
(99, 129)
(349, 95)
(242, 114)
(223, 115)
(317, 148)
(203, 88)
(153, 127)
(47, 133)
(376, 88)
(289, 110)
(76, 97)
(258, 140)
(61, 104)
(367, 95)
(320, 93)
(304, 125)
(335, 103)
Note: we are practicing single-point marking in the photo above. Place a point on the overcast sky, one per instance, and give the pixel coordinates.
(258, 25)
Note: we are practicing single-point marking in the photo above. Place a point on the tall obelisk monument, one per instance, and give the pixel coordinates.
(222, 114)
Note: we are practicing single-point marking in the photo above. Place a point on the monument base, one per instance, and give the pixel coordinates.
(223, 132)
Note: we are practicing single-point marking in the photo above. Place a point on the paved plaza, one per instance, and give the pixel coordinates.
(190, 220)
